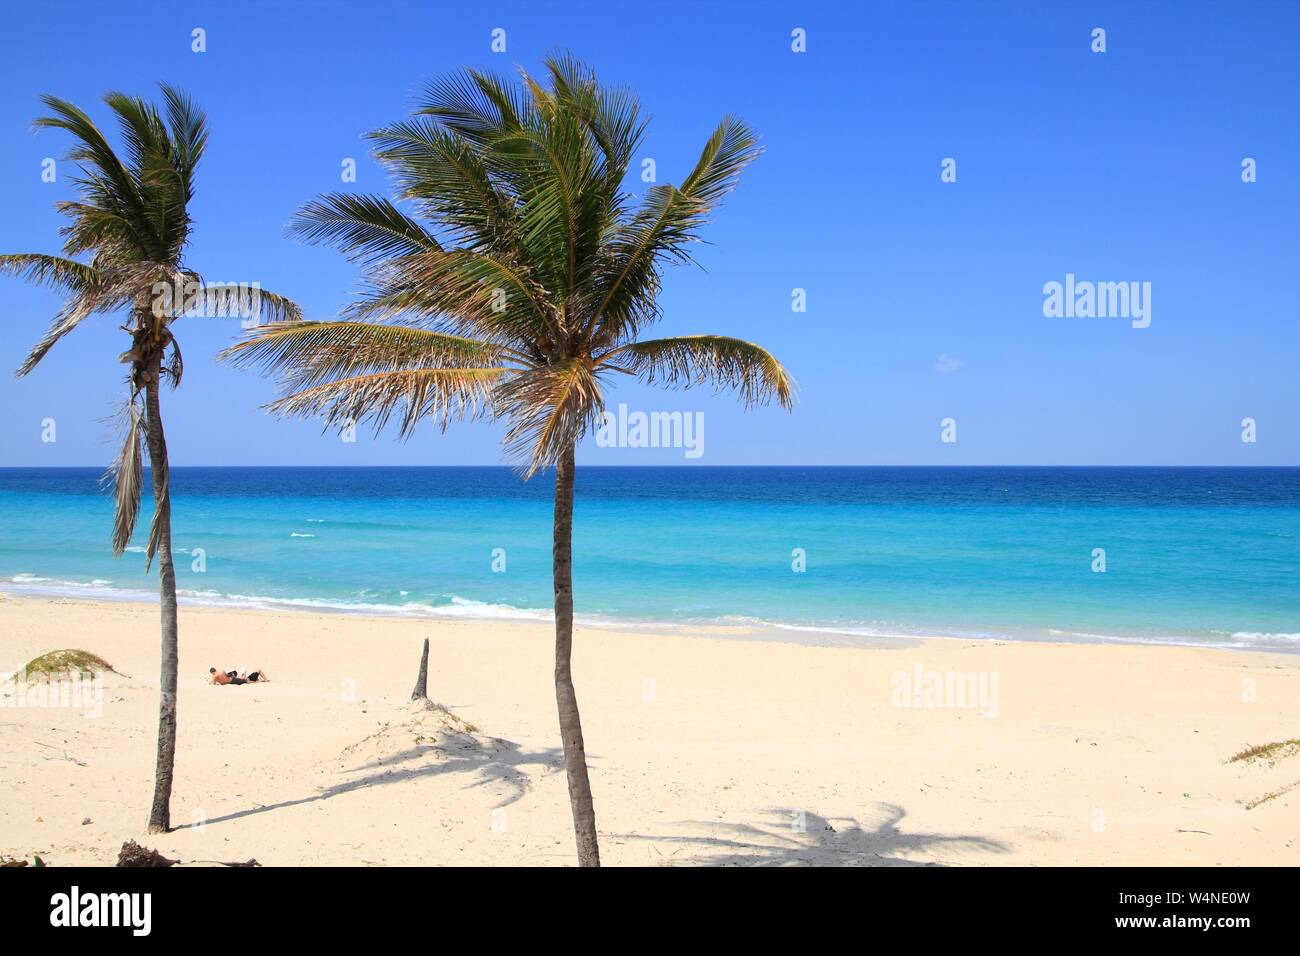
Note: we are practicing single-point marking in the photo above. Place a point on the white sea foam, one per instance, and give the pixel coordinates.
(457, 607)
(1264, 637)
(298, 534)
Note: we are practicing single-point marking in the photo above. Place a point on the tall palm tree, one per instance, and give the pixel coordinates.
(131, 217)
(518, 291)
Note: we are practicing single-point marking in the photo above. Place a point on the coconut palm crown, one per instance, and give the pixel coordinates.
(517, 288)
(527, 276)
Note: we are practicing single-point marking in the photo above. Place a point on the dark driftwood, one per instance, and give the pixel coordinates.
(133, 854)
(421, 691)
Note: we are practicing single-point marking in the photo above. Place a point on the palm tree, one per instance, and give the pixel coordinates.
(520, 299)
(131, 217)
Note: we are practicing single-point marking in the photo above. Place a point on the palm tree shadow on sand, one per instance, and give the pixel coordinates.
(492, 760)
(802, 838)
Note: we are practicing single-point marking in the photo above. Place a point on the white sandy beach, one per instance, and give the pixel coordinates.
(703, 750)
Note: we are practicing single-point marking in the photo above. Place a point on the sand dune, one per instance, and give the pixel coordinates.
(703, 751)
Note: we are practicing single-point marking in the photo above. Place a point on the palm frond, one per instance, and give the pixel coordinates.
(104, 174)
(127, 475)
(707, 359)
(160, 471)
(441, 394)
(474, 105)
(461, 291)
(55, 272)
(305, 354)
(447, 179)
(365, 228)
(662, 231)
(188, 127)
(174, 364)
(611, 115)
(89, 291)
(72, 315)
(256, 305)
(550, 409)
(731, 148)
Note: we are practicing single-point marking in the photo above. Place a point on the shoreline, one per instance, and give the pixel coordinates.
(729, 627)
(703, 750)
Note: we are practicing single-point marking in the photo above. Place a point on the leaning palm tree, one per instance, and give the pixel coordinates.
(517, 291)
(131, 218)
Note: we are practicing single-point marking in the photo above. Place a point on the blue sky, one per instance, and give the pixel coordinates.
(1115, 166)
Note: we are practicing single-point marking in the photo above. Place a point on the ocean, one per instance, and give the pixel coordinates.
(1203, 556)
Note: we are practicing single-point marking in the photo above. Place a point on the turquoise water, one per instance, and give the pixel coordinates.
(1193, 555)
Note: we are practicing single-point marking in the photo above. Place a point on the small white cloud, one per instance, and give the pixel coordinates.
(946, 363)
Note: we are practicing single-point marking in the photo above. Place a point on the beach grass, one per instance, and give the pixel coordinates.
(1272, 753)
(1272, 795)
(68, 661)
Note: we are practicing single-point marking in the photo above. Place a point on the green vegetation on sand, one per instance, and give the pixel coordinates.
(67, 661)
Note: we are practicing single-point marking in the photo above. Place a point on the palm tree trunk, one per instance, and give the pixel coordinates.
(566, 700)
(160, 813)
(421, 691)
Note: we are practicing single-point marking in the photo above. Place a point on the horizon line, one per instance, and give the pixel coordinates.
(661, 467)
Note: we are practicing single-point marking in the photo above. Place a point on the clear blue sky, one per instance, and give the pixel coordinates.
(1116, 166)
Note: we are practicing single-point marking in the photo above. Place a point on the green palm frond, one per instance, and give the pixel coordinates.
(448, 180)
(105, 179)
(707, 359)
(731, 148)
(55, 272)
(663, 230)
(365, 228)
(612, 115)
(476, 106)
(189, 134)
(131, 216)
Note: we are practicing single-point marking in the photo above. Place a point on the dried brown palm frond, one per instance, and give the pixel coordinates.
(714, 360)
(127, 475)
(406, 396)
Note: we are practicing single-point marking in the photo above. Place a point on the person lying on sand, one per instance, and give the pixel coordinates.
(236, 678)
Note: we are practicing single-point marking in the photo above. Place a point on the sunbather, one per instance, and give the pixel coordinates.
(235, 677)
